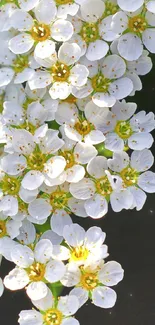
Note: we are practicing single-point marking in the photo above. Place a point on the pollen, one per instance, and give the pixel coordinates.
(123, 129)
(89, 281)
(36, 272)
(79, 254)
(53, 317)
(40, 32)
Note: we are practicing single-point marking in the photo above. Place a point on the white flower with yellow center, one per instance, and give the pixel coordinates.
(39, 31)
(92, 30)
(33, 268)
(94, 282)
(99, 188)
(52, 311)
(124, 131)
(35, 156)
(83, 247)
(136, 29)
(62, 71)
(107, 82)
(81, 126)
(135, 177)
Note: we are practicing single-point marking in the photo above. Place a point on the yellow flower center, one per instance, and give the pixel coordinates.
(29, 127)
(137, 24)
(40, 32)
(110, 8)
(90, 32)
(89, 281)
(103, 186)
(129, 176)
(69, 157)
(22, 206)
(60, 72)
(83, 127)
(123, 129)
(100, 83)
(10, 185)
(70, 99)
(3, 231)
(20, 63)
(59, 199)
(36, 160)
(36, 272)
(27, 102)
(53, 317)
(63, 2)
(79, 254)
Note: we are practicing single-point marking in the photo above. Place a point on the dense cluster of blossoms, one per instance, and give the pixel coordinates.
(70, 144)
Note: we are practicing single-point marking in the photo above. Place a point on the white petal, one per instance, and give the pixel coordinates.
(70, 321)
(21, 43)
(46, 11)
(142, 160)
(52, 236)
(22, 256)
(71, 276)
(124, 110)
(55, 270)
(74, 235)
(62, 30)
(94, 137)
(18, 164)
(28, 196)
(151, 6)
(33, 317)
(36, 290)
(78, 75)
(91, 12)
(121, 200)
(113, 142)
(44, 303)
(83, 189)
(22, 142)
(16, 279)
(97, 50)
(84, 152)
(51, 143)
(103, 99)
(41, 79)
(121, 88)
(67, 9)
(1, 287)
(69, 53)
(113, 67)
(77, 207)
(96, 207)
(6, 75)
(140, 141)
(27, 233)
(12, 227)
(104, 297)
(147, 182)
(119, 22)
(54, 166)
(59, 220)
(32, 180)
(94, 237)
(97, 166)
(81, 294)
(60, 90)
(43, 251)
(120, 161)
(39, 209)
(9, 205)
(21, 20)
(139, 197)
(27, 5)
(68, 305)
(111, 273)
(149, 39)
(130, 46)
(45, 49)
(75, 174)
(130, 5)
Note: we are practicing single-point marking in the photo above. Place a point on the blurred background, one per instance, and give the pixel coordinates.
(131, 242)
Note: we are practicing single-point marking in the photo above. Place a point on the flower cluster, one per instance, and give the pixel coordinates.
(70, 144)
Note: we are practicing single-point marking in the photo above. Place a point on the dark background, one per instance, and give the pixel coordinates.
(131, 242)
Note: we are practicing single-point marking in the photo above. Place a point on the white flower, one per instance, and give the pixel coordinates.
(84, 247)
(95, 282)
(81, 127)
(32, 268)
(135, 177)
(92, 30)
(36, 154)
(53, 311)
(61, 71)
(137, 29)
(98, 188)
(107, 82)
(27, 233)
(123, 130)
(39, 30)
